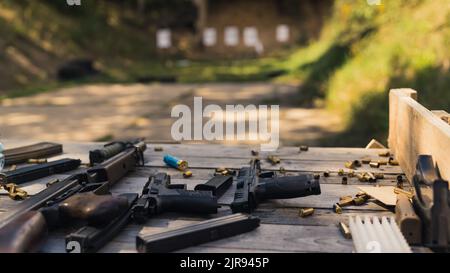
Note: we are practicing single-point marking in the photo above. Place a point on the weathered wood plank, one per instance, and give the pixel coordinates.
(414, 130)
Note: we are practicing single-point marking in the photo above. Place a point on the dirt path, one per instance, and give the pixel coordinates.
(102, 112)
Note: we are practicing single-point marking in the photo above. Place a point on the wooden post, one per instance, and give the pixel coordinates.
(414, 130)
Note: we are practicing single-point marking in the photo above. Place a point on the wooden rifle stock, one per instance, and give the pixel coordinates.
(23, 233)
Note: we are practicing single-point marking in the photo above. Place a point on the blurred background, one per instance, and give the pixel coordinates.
(108, 69)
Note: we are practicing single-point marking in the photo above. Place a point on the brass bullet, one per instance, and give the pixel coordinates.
(345, 230)
(304, 148)
(351, 173)
(37, 160)
(337, 208)
(306, 212)
(273, 159)
(393, 162)
(379, 176)
(51, 182)
(341, 172)
(187, 174)
(350, 164)
(374, 164)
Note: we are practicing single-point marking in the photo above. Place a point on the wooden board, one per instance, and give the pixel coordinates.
(414, 130)
(281, 230)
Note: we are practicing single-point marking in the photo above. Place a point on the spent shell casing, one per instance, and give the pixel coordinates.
(374, 164)
(306, 212)
(304, 148)
(37, 160)
(393, 162)
(345, 230)
(273, 159)
(341, 172)
(51, 182)
(350, 164)
(187, 174)
(384, 154)
(337, 208)
(351, 173)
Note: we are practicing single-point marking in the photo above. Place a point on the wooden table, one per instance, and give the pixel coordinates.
(281, 229)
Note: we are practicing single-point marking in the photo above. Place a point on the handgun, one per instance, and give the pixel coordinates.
(254, 186)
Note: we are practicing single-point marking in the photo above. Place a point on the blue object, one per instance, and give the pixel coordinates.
(175, 162)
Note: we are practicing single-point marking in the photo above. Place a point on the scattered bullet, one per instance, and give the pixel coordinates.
(374, 164)
(385, 154)
(350, 164)
(37, 160)
(316, 176)
(345, 230)
(158, 149)
(344, 180)
(306, 212)
(326, 173)
(255, 153)
(341, 172)
(304, 148)
(282, 170)
(351, 173)
(187, 174)
(273, 159)
(393, 162)
(337, 208)
(51, 182)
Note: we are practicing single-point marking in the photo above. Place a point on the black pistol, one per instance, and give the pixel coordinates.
(254, 186)
(160, 196)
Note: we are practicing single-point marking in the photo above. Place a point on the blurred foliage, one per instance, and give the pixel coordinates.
(362, 52)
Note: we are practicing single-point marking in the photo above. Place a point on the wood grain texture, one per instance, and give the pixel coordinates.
(414, 130)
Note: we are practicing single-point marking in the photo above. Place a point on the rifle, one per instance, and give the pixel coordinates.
(158, 196)
(254, 186)
(111, 149)
(82, 198)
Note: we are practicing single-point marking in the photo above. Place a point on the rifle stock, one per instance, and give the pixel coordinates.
(23, 233)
